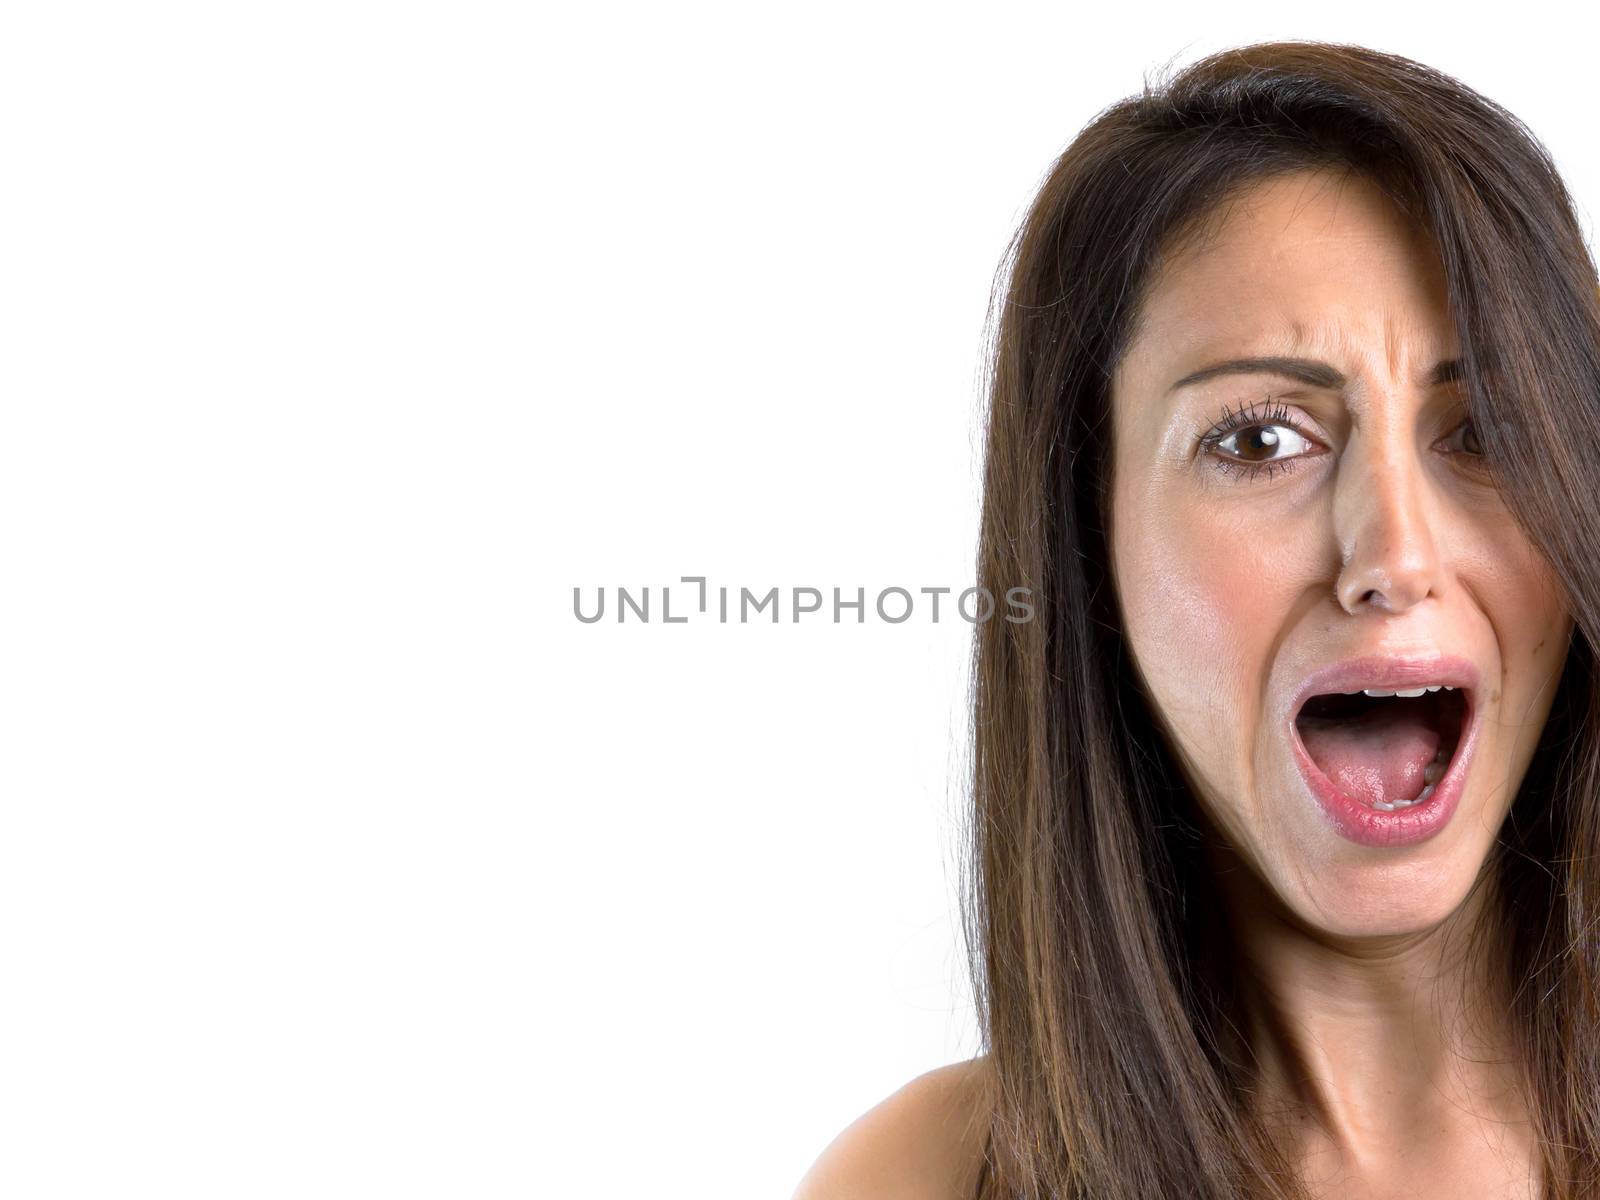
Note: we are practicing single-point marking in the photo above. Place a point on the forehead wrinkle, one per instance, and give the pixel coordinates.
(1410, 348)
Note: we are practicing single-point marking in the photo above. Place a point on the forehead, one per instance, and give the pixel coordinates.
(1314, 262)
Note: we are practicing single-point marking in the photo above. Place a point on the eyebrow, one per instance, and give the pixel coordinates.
(1306, 370)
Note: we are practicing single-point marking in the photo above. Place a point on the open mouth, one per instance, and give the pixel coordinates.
(1386, 750)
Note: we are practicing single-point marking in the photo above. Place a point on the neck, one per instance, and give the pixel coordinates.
(1363, 1048)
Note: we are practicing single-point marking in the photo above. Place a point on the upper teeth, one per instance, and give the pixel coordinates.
(1411, 692)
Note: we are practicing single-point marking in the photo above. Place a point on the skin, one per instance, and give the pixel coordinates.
(1384, 1069)
(925, 1142)
(1385, 1072)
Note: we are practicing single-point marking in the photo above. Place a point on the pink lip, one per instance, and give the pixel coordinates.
(1359, 822)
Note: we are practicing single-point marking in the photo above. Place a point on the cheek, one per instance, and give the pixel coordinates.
(1202, 615)
(1524, 602)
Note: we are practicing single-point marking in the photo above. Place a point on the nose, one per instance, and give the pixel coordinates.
(1388, 553)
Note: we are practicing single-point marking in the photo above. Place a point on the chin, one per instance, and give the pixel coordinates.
(1380, 898)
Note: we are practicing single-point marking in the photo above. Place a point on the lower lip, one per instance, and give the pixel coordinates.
(1368, 826)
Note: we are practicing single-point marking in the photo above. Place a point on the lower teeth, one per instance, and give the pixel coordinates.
(1436, 769)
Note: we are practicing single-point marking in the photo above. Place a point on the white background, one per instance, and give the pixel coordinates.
(340, 343)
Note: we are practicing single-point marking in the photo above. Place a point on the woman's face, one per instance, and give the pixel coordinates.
(1334, 532)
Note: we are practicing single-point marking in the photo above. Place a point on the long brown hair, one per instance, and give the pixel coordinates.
(1103, 990)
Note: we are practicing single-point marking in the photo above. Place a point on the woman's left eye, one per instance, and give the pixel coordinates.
(1469, 443)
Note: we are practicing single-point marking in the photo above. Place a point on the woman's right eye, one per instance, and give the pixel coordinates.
(1257, 437)
(1262, 443)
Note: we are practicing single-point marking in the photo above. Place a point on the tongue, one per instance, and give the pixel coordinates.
(1376, 755)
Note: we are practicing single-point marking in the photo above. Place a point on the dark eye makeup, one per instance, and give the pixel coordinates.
(1258, 421)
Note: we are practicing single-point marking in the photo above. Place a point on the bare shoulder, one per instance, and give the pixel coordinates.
(925, 1142)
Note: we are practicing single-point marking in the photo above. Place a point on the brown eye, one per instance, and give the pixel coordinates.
(1263, 443)
(1468, 439)
(1257, 437)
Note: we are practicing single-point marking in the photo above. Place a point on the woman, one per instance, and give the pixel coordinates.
(1294, 432)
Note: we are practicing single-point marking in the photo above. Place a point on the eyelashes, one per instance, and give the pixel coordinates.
(1274, 428)
(1264, 418)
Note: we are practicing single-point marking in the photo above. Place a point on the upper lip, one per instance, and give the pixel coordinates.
(1387, 673)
